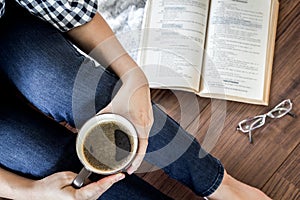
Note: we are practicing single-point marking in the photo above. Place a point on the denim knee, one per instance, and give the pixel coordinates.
(43, 65)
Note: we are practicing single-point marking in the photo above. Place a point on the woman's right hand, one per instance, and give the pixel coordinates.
(58, 186)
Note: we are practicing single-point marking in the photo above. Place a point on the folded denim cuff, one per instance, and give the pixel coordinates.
(216, 183)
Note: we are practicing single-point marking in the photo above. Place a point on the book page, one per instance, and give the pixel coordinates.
(237, 41)
(172, 43)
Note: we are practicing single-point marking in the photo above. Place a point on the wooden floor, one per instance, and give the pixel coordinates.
(272, 163)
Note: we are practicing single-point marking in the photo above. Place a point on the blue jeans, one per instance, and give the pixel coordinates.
(41, 64)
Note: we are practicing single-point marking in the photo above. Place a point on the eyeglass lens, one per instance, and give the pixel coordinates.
(252, 123)
(281, 109)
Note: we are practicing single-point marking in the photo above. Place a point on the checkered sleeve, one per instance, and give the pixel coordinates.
(2, 7)
(63, 14)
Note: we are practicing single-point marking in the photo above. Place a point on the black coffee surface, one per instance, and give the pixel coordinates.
(107, 146)
(123, 146)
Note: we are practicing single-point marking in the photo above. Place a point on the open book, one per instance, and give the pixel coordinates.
(215, 48)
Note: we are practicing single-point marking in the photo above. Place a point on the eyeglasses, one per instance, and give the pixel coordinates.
(252, 123)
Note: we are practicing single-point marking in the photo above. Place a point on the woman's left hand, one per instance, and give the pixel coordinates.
(134, 103)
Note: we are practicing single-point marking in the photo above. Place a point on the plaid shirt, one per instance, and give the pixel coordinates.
(63, 14)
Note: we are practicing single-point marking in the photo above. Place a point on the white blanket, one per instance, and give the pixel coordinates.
(122, 15)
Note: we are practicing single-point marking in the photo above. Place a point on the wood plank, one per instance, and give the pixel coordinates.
(183, 107)
(169, 186)
(285, 183)
(280, 189)
(286, 69)
(287, 13)
(290, 169)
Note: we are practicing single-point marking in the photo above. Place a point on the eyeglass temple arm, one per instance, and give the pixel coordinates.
(292, 114)
(250, 137)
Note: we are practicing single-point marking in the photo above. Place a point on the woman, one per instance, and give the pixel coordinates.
(37, 155)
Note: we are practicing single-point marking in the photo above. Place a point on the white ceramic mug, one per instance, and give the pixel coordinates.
(96, 122)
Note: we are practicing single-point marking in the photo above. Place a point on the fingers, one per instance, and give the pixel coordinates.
(143, 129)
(96, 189)
(60, 179)
(143, 144)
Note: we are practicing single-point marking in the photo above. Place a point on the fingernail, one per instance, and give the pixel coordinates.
(130, 171)
(120, 177)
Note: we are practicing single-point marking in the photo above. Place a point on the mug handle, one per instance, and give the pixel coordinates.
(80, 178)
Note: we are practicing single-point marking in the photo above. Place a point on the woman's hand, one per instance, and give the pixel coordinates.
(133, 102)
(58, 186)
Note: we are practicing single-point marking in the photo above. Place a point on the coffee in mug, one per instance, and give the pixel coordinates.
(106, 144)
